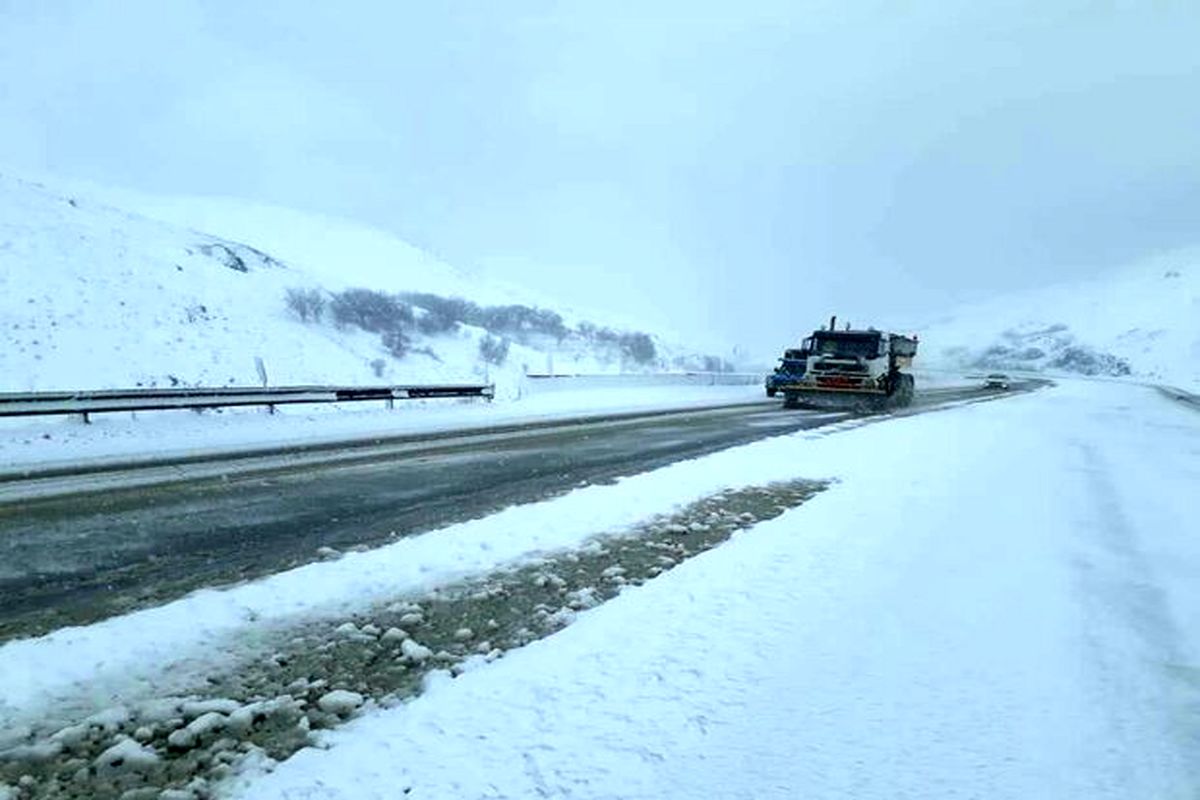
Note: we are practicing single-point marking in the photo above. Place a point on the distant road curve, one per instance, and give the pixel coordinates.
(1179, 395)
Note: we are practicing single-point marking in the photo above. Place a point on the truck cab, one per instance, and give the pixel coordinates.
(851, 345)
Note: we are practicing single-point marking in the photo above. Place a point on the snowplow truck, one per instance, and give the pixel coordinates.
(859, 370)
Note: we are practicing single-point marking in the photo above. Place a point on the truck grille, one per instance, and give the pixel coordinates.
(853, 366)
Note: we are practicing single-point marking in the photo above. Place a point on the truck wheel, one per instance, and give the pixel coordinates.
(791, 400)
(771, 391)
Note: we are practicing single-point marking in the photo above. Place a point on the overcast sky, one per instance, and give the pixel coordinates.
(742, 167)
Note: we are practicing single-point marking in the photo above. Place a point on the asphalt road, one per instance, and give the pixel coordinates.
(78, 558)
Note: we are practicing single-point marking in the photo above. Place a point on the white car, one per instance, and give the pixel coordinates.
(997, 380)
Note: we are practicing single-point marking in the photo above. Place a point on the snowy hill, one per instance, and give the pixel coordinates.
(1142, 321)
(92, 296)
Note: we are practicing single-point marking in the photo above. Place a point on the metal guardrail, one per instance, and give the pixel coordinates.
(108, 400)
(1180, 396)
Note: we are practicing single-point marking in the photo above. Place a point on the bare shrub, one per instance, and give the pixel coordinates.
(597, 334)
(521, 321)
(436, 321)
(639, 347)
(493, 350)
(515, 321)
(455, 308)
(306, 304)
(396, 343)
(372, 311)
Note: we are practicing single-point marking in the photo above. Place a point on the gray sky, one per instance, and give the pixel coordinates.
(741, 169)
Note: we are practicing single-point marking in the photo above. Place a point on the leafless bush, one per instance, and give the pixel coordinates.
(306, 304)
(372, 311)
(435, 321)
(639, 347)
(396, 343)
(493, 350)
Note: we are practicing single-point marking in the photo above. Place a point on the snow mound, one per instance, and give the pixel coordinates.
(126, 755)
(341, 702)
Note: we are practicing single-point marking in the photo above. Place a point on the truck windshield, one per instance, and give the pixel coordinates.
(865, 346)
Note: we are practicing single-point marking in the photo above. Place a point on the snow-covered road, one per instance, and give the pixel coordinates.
(997, 601)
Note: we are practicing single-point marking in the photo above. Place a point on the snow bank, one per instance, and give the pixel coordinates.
(996, 601)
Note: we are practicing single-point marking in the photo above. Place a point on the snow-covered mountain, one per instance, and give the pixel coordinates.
(1142, 321)
(94, 296)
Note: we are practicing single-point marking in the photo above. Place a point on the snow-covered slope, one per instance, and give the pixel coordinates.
(1142, 321)
(92, 296)
(337, 253)
(342, 253)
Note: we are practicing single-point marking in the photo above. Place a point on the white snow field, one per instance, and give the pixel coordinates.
(1144, 317)
(93, 296)
(998, 601)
